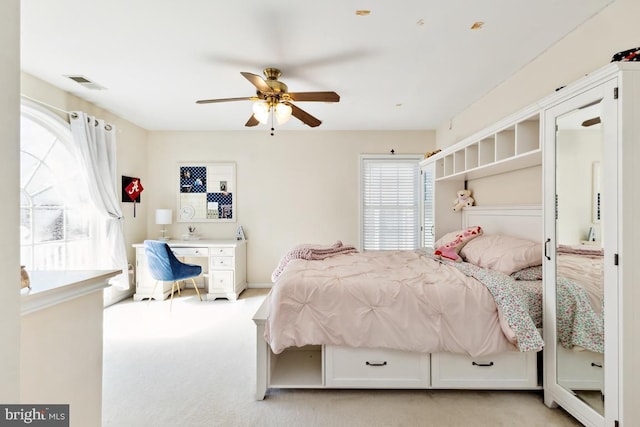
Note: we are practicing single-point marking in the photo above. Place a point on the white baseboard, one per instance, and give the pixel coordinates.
(260, 285)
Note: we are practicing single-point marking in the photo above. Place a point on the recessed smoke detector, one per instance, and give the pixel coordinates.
(82, 80)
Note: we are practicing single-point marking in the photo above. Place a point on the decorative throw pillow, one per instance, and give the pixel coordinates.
(503, 253)
(451, 249)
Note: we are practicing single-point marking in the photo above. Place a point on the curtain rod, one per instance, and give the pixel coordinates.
(72, 114)
(37, 101)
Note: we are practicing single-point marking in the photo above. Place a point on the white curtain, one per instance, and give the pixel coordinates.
(96, 145)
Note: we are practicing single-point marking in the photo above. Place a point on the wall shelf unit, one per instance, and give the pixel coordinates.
(512, 144)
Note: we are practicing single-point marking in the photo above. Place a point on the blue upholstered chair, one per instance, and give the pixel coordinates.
(164, 266)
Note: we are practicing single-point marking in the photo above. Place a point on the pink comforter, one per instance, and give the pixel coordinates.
(397, 299)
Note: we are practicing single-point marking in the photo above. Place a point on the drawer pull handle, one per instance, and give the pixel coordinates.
(482, 364)
(376, 363)
(596, 365)
(546, 249)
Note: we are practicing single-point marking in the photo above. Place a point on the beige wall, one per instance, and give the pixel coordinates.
(9, 160)
(294, 187)
(584, 50)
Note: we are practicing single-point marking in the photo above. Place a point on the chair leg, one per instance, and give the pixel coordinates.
(153, 292)
(172, 292)
(196, 286)
(178, 285)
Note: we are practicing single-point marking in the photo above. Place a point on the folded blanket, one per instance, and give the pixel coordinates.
(311, 252)
(589, 251)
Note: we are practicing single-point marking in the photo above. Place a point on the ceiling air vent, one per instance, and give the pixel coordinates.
(82, 80)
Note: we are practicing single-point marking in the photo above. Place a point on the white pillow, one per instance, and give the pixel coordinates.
(503, 253)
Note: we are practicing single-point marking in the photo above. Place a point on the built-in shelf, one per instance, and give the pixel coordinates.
(298, 368)
(515, 145)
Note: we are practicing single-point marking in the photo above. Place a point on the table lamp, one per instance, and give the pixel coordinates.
(163, 217)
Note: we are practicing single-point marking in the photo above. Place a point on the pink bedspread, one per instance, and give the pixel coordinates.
(311, 252)
(399, 299)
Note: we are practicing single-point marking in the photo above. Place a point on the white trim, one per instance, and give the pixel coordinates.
(49, 288)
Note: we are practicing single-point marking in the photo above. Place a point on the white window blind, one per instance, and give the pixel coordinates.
(428, 220)
(390, 188)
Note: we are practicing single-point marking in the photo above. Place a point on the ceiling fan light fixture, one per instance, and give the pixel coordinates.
(261, 111)
(283, 113)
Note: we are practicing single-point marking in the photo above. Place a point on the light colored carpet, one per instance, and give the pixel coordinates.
(195, 366)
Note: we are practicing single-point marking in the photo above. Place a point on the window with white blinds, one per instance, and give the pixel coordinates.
(428, 208)
(390, 187)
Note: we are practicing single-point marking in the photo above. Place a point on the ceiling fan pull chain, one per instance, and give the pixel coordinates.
(272, 114)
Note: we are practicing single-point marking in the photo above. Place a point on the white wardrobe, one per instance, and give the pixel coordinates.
(587, 138)
(591, 166)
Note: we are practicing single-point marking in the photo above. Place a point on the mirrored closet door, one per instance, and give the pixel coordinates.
(576, 209)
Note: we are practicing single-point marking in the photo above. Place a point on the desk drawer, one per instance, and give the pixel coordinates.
(375, 367)
(221, 263)
(190, 252)
(222, 251)
(221, 281)
(511, 369)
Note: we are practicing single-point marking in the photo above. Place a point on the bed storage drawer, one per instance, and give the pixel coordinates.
(367, 367)
(580, 370)
(510, 370)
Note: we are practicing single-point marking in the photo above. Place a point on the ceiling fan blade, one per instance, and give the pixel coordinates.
(257, 81)
(314, 96)
(210, 101)
(303, 116)
(252, 121)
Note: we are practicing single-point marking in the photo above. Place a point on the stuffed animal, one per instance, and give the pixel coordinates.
(451, 249)
(464, 199)
(432, 153)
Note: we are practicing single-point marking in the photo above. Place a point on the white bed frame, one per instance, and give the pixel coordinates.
(343, 367)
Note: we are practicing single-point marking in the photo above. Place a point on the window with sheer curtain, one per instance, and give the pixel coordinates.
(390, 208)
(57, 220)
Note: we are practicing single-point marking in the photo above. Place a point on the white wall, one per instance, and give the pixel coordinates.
(9, 194)
(294, 187)
(576, 150)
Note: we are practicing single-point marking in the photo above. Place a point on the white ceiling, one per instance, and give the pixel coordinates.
(408, 65)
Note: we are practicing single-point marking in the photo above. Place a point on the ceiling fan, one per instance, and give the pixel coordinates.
(272, 96)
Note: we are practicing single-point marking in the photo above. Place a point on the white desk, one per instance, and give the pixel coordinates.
(224, 270)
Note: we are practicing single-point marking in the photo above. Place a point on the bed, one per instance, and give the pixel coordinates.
(406, 319)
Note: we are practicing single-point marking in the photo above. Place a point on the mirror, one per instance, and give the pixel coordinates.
(579, 255)
(206, 192)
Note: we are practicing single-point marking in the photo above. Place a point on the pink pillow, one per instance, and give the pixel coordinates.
(503, 253)
(451, 249)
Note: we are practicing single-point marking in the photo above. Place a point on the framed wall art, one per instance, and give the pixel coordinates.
(206, 192)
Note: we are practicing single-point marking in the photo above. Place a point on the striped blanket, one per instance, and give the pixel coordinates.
(311, 252)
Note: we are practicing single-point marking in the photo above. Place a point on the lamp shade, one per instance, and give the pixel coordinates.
(163, 216)
(261, 111)
(283, 113)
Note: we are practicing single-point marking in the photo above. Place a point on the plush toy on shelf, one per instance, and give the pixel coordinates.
(464, 199)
